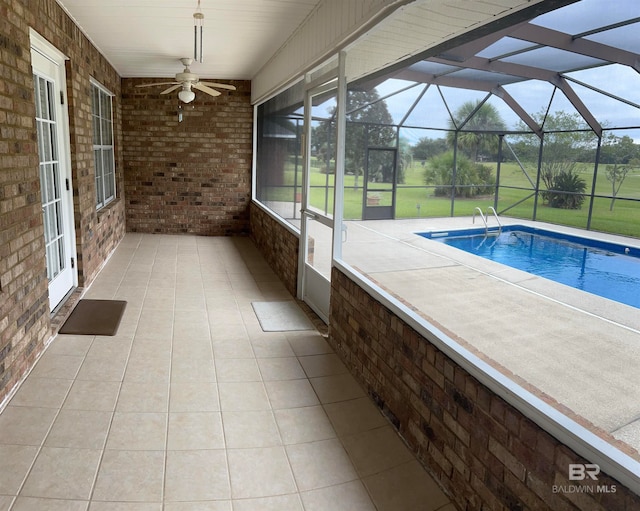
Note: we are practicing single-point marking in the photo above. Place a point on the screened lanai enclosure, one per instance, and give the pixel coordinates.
(540, 121)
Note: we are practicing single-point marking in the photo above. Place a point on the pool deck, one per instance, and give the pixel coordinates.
(577, 351)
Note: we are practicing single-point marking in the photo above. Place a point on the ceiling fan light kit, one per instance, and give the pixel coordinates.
(186, 95)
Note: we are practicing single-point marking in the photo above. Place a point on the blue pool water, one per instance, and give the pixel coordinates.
(604, 269)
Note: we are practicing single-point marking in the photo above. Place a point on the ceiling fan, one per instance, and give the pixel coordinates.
(187, 81)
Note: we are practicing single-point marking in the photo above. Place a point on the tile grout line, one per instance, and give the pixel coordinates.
(213, 362)
(226, 450)
(167, 421)
(115, 405)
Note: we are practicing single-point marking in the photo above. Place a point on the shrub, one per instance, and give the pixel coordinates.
(472, 179)
(567, 189)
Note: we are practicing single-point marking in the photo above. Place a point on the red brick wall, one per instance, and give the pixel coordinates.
(486, 454)
(278, 246)
(24, 309)
(97, 232)
(192, 176)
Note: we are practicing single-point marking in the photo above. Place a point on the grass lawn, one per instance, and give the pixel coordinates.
(414, 199)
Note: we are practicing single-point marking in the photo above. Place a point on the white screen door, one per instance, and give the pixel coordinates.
(319, 185)
(55, 179)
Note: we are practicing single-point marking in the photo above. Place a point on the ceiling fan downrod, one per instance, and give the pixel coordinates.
(198, 22)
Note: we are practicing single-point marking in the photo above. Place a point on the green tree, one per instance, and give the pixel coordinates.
(622, 155)
(323, 142)
(618, 150)
(616, 175)
(426, 147)
(368, 125)
(565, 140)
(471, 179)
(405, 158)
(475, 122)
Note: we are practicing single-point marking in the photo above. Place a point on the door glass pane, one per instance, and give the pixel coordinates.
(41, 99)
(49, 266)
(51, 113)
(40, 143)
(46, 221)
(58, 225)
(54, 141)
(52, 182)
(45, 137)
(43, 180)
(55, 259)
(55, 175)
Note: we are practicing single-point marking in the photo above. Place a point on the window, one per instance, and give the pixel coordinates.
(279, 153)
(103, 145)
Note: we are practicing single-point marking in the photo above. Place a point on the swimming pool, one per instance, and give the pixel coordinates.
(606, 269)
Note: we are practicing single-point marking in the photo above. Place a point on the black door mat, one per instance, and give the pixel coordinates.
(95, 317)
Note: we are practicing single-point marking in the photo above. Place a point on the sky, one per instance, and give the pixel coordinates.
(533, 96)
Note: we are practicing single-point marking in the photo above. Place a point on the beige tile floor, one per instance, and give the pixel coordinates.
(191, 406)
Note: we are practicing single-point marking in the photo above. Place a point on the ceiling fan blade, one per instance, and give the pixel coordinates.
(218, 85)
(158, 83)
(171, 89)
(204, 88)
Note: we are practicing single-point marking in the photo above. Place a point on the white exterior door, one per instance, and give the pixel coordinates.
(55, 176)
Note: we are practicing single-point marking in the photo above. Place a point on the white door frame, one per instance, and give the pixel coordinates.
(313, 287)
(49, 63)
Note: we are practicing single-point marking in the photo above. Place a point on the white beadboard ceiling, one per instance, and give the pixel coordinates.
(424, 24)
(146, 38)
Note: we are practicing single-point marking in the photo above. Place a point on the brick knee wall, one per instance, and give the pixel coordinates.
(278, 246)
(485, 453)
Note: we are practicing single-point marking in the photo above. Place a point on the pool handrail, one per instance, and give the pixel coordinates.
(493, 210)
(484, 219)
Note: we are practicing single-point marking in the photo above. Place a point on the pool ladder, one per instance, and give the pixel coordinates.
(484, 219)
